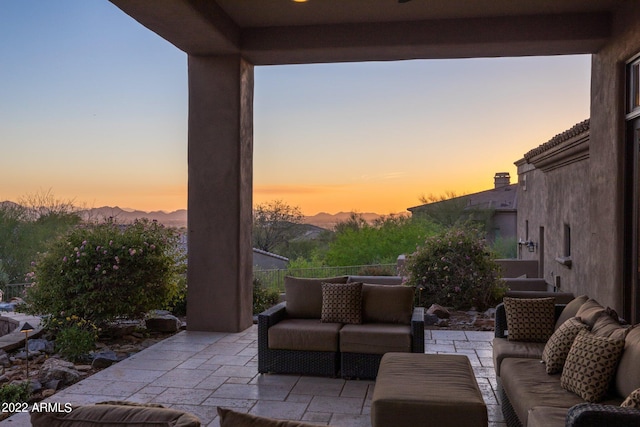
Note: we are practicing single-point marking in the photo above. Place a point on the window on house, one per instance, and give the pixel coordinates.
(567, 241)
(633, 87)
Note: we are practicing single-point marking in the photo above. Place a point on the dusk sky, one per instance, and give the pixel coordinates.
(93, 107)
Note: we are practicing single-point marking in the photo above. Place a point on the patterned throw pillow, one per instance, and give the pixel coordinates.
(557, 348)
(530, 319)
(590, 365)
(633, 400)
(342, 303)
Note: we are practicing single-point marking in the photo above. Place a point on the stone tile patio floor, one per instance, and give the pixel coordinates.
(198, 371)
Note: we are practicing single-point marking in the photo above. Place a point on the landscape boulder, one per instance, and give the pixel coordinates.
(58, 369)
(163, 321)
(104, 359)
(439, 311)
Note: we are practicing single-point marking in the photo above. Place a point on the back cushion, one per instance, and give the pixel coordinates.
(589, 312)
(304, 296)
(571, 309)
(387, 304)
(628, 373)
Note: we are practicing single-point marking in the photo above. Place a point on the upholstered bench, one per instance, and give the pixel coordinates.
(427, 390)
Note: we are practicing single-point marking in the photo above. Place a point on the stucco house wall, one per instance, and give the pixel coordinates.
(606, 172)
(553, 197)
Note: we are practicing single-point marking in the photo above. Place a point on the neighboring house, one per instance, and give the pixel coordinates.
(263, 260)
(554, 208)
(497, 207)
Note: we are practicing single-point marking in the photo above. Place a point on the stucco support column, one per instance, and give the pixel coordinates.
(220, 193)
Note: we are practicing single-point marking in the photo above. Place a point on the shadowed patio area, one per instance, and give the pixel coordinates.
(199, 371)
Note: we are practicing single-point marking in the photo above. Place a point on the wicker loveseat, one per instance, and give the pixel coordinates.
(294, 339)
(533, 397)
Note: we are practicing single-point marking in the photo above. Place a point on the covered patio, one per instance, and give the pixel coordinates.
(226, 39)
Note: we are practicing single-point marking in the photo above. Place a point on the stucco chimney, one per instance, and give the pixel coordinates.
(501, 179)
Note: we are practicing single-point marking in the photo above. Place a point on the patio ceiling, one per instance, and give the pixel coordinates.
(284, 32)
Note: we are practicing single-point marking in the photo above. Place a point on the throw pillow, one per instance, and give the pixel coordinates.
(557, 348)
(341, 303)
(633, 400)
(229, 418)
(530, 319)
(590, 365)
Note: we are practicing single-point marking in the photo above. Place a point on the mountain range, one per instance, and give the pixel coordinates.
(179, 218)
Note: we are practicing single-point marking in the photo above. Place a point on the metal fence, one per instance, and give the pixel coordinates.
(274, 279)
(13, 290)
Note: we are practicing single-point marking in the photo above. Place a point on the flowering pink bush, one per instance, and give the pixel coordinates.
(104, 271)
(455, 268)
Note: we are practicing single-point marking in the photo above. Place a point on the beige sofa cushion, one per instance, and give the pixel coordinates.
(387, 304)
(590, 311)
(415, 390)
(304, 334)
(229, 418)
(546, 416)
(607, 326)
(342, 303)
(375, 338)
(527, 384)
(377, 280)
(503, 349)
(628, 373)
(571, 309)
(304, 296)
(107, 415)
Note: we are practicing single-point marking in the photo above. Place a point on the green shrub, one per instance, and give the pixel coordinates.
(455, 269)
(105, 271)
(15, 392)
(263, 298)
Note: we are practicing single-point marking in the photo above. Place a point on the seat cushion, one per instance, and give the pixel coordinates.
(426, 389)
(110, 415)
(546, 416)
(375, 338)
(304, 334)
(528, 385)
(503, 349)
(387, 304)
(229, 418)
(304, 296)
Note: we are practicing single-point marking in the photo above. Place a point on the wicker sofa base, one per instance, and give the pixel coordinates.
(508, 412)
(320, 363)
(359, 365)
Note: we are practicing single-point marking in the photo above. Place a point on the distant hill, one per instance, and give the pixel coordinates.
(171, 219)
(178, 218)
(329, 221)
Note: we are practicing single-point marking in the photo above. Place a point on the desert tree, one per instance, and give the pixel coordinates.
(274, 223)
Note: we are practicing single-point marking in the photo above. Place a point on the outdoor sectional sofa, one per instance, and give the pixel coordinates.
(592, 357)
(303, 336)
